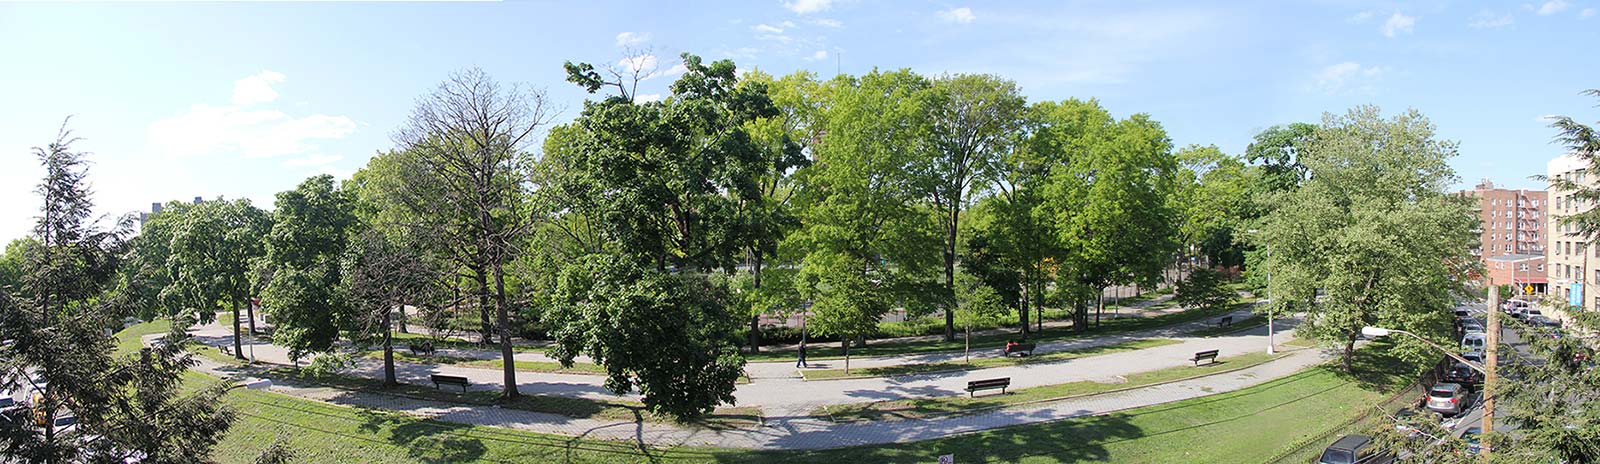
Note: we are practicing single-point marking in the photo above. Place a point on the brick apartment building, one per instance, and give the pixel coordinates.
(1512, 237)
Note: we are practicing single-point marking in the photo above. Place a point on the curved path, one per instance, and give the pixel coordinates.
(786, 400)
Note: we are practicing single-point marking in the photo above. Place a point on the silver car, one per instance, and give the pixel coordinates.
(1447, 398)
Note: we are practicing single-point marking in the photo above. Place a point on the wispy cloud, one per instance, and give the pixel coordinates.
(205, 129)
(773, 32)
(1486, 19)
(826, 22)
(1398, 23)
(257, 88)
(961, 15)
(818, 55)
(311, 160)
(808, 6)
(1586, 13)
(1346, 77)
(1553, 6)
(628, 39)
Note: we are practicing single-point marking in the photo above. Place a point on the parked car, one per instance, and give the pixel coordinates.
(1474, 341)
(1458, 373)
(1529, 313)
(1354, 449)
(1470, 326)
(1474, 356)
(1541, 320)
(1447, 398)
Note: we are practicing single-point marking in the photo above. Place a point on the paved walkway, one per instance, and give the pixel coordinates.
(809, 432)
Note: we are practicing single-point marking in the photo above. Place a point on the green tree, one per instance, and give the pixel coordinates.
(57, 345)
(144, 273)
(212, 248)
(1111, 203)
(1213, 202)
(862, 247)
(1391, 247)
(1279, 151)
(1204, 288)
(677, 186)
(972, 121)
(310, 230)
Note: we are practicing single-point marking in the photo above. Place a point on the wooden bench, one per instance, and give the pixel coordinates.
(1025, 348)
(989, 384)
(1225, 321)
(423, 349)
(1211, 355)
(450, 379)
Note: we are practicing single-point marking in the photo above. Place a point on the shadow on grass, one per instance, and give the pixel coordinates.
(1078, 440)
(1378, 367)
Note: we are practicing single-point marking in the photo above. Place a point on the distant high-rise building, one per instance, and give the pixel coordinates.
(1511, 235)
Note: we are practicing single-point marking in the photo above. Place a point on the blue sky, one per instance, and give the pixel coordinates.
(245, 100)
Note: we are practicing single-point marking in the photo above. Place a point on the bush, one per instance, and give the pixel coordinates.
(1204, 288)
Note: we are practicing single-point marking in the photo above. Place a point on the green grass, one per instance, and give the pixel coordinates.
(733, 417)
(525, 366)
(130, 339)
(1251, 322)
(984, 363)
(922, 408)
(996, 341)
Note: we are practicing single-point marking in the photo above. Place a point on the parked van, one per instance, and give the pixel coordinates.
(1475, 341)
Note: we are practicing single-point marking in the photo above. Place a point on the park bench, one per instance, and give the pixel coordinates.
(421, 349)
(1225, 321)
(1211, 355)
(1025, 348)
(989, 384)
(451, 380)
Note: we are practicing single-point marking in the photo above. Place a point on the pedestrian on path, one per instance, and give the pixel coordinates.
(801, 361)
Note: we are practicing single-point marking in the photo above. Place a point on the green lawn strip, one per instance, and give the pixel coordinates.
(130, 339)
(1251, 322)
(922, 408)
(984, 363)
(525, 366)
(1108, 326)
(736, 417)
(403, 339)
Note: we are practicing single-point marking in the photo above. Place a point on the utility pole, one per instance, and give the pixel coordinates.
(1490, 359)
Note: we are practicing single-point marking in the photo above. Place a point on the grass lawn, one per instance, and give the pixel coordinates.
(926, 407)
(996, 341)
(526, 366)
(984, 363)
(129, 340)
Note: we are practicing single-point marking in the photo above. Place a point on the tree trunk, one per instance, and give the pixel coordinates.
(755, 316)
(238, 343)
(503, 316)
(388, 351)
(950, 272)
(845, 341)
(1099, 306)
(250, 308)
(1022, 310)
(1350, 351)
(483, 306)
(403, 319)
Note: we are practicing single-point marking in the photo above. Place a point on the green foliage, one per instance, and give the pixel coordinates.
(1280, 150)
(210, 256)
(1204, 288)
(669, 335)
(305, 295)
(1583, 142)
(1391, 248)
(57, 345)
(1213, 200)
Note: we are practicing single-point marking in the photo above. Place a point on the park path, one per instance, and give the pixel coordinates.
(803, 432)
(788, 397)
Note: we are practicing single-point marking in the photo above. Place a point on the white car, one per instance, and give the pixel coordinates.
(1474, 341)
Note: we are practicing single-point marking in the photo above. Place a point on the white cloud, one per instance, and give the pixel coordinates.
(1586, 13)
(1553, 6)
(673, 71)
(311, 160)
(254, 133)
(638, 63)
(1398, 23)
(818, 55)
(769, 29)
(647, 98)
(1361, 17)
(1347, 76)
(257, 88)
(961, 15)
(773, 32)
(808, 6)
(826, 22)
(628, 39)
(1490, 20)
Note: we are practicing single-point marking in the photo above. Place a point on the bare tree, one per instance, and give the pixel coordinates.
(468, 141)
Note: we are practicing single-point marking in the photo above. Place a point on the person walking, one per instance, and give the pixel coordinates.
(801, 361)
